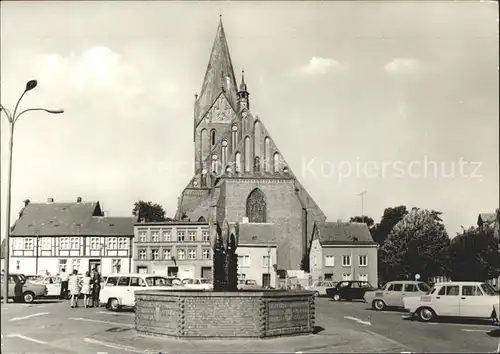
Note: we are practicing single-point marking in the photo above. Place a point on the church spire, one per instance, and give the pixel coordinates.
(243, 101)
(219, 76)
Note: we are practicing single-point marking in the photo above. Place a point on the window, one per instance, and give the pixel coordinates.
(346, 261)
(192, 254)
(363, 261)
(248, 159)
(346, 277)
(136, 281)
(46, 243)
(142, 254)
(181, 254)
(314, 261)
(267, 154)
(423, 287)
(62, 265)
(206, 254)
(155, 254)
(122, 243)
(488, 289)
(95, 243)
(112, 243)
(155, 236)
(206, 236)
(180, 236)
(28, 243)
(471, 290)
(244, 261)
(76, 265)
(74, 243)
(167, 254)
(123, 281)
(17, 243)
(64, 243)
(363, 277)
(396, 287)
(215, 165)
(241, 276)
(256, 207)
(266, 261)
(167, 235)
(112, 281)
(411, 288)
(452, 290)
(329, 261)
(329, 276)
(212, 137)
(116, 265)
(256, 164)
(143, 235)
(257, 138)
(192, 236)
(224, 153)
(237, 167)
(234, 136)
(276, 162)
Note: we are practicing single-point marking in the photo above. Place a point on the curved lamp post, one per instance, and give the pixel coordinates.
(13, 118)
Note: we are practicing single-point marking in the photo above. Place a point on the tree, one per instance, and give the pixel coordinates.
(148, 211)
(363, 219)
(418, 244)
(474, 255)
(390, 218)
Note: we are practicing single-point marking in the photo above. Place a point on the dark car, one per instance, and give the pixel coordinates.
(349, 290)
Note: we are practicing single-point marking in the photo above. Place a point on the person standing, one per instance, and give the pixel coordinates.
(75, 287)
(86, 290)
(96, 287)
(64, 284)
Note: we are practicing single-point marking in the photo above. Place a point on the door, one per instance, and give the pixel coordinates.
(206, 272)
(125, 292)
(392, 295)
(447, 301)
(472, 302)
(53, 285)
(409, 290)
(266, 280)
(136, 283)
(95, 263)
(173, 271)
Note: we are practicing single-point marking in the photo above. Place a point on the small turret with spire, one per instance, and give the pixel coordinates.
(243, 101)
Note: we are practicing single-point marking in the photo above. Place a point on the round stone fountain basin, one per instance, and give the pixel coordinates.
(194, 314)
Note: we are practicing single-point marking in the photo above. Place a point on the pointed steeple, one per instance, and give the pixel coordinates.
(219, 76)
(243, 101)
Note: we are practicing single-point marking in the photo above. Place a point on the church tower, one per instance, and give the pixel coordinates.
(243, 94)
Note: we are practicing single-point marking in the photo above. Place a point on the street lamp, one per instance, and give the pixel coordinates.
(12, 118)
(269, 264)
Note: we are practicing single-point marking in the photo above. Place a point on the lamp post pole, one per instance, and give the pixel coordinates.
(269, 264)
(12, 119)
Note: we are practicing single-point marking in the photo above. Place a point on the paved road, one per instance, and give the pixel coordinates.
(53, 327)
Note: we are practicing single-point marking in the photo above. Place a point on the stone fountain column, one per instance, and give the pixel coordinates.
(224, 242)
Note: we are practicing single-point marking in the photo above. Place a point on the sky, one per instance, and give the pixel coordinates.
(398, 99)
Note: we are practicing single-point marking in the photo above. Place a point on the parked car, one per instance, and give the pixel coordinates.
(349, 290)
(248, 284)
(119, 290)
(22, 290)
(319, 287)
(454, 299)
(34, 278)
(197, 283)
(392, 293)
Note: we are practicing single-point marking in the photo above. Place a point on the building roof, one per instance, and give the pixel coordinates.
(66, 219)
(330, 233)
(486, 218)
(256, 234)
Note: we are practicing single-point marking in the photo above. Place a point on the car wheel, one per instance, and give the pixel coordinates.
(113, 305)
(425, 314)
(336, 297)
(378, 305)
(28, 297)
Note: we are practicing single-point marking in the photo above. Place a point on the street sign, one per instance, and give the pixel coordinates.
(417, 276)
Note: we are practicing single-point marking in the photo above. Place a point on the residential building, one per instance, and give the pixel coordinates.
(48, 237)
(343, 251)
(174, 248)
(240, 175)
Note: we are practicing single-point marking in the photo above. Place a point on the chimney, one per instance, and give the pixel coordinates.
(79, 199)
(105, 214)
(50, 200)
(26, 202)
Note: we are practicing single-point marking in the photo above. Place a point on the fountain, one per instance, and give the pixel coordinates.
(225, 312)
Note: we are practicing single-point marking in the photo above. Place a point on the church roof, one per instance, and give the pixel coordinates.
(331, 233)
(219, 76)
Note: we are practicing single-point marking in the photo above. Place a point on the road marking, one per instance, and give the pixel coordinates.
(20, 336)
(29, 316)
(116, 313)
(115, 346)
(358, 320)
(99, 321)
(386, 338)
(475, 330)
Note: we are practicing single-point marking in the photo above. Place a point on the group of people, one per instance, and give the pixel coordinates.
(89, 286)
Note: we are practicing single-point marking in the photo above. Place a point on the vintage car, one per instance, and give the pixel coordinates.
(22, 290)
(319, 287)
(34, 278)
(349, 290)
(248, 284)
(454, 299)
(119, 290)
(393, 292)
(197, 283)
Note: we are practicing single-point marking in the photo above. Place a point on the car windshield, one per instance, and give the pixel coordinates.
(424, 287)
(488, 289)
(157, 281)
(430, 291)
(365, 284)
(205, 281)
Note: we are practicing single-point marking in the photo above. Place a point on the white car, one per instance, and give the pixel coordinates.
(119, 290)
(393, 293)
(454, 299)
(198, 283)
(319, 287)
(53, 284)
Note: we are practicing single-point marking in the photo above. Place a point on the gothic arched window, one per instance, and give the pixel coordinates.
(234, 137)
(237, 167)
(224, 153)
(256, 164)
(248, 159)
(276, 162)
(212, 137)
(203, 146)
(256, 206)
(267, 154)
(214, 164)
(256, 138)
